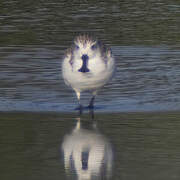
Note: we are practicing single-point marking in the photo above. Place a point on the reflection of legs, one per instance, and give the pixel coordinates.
(91, 113)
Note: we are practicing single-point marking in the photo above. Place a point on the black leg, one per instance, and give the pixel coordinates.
(80, 109)
(91, 104)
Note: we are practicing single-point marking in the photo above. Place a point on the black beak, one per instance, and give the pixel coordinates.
(84, 68)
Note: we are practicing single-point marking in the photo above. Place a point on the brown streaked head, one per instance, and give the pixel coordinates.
(85, 39)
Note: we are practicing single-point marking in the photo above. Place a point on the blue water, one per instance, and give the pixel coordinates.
(147, 79)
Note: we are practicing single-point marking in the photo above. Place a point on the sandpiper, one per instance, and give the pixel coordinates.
(87, 66)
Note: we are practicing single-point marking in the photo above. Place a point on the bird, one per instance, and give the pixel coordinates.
(87, 66)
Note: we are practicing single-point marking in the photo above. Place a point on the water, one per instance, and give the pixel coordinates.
(147, 79)
(118, 146)
(144, 37)
(144, 41)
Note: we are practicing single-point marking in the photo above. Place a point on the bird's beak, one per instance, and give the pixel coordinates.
(84, 67)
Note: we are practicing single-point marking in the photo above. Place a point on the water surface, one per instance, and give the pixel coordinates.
(144, 37)
(147, 79)
(115, 146)
(42, 137)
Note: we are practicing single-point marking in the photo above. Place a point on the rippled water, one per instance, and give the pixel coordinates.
(143, 37)
(117, 144)
(147, 78)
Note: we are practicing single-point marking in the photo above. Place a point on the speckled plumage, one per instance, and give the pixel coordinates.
(88, 65)
(85, 39)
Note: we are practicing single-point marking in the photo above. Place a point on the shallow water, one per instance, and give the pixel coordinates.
(117, 144)
(144, 41)
(147, 79)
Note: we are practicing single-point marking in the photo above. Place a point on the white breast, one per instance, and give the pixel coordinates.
(100, 73)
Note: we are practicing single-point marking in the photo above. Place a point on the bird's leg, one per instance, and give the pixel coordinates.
(78, 124)
(91, 103)
(80, 108)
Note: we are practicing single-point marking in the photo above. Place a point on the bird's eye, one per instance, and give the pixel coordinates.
(76, 47)
(93, 46)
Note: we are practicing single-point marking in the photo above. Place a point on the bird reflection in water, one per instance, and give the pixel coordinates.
(87, 153)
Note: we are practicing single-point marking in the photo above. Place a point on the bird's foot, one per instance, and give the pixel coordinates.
(91, 106)
(80, 109)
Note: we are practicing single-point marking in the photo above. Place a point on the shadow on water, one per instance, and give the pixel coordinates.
(87, 153)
